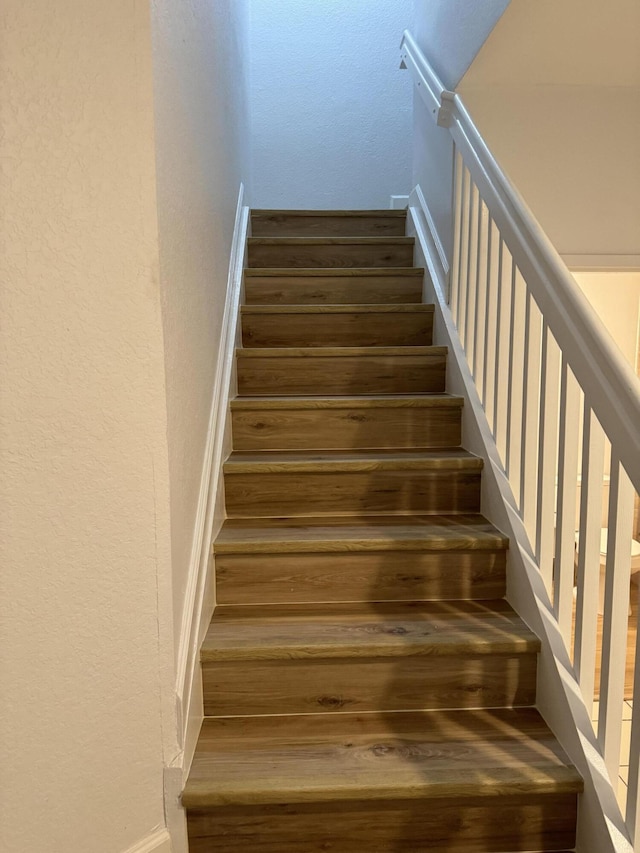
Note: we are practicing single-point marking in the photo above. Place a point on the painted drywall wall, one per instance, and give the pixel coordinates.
(556, 92)
(84, 486)
(330, 111)
(450, 33)
(615, 296)
(201, 142)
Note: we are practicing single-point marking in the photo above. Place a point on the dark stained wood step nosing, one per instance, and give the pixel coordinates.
(381, 401)
(341, 308)
(334, 272)
(330, 241)
(362, 632)
(378, 533)
(337, 352)
(377, 214)
(275, 461)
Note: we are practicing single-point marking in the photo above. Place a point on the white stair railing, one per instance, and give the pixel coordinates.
(564, 410)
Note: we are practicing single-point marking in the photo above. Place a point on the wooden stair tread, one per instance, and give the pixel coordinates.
(343, 308)
(348, 533)
(405, 755)
(391, 214)
(335, 272)
(274, 461)
(330, 241)
(362, 401)
(366, 630)
(333, 352)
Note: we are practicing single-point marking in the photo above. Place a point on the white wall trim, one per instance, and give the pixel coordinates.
(438, 264)
(398, 202)
(197, 611)
(596, 263)
(157, 841)
(601, 827)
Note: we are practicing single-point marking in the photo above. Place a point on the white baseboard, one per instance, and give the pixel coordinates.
(436, 257)
(558, 694)
(398, 202)
(157, 841)
(199, 598)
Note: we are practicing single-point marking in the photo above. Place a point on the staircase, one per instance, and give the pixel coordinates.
(367, 688)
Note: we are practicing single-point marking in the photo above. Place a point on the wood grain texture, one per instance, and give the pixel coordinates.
(359, 576)
(366, 629)
(340, 325)
(328, 223)
(367, 657)
(388, 370)
(344, 423)
(328, 757)
(367, 686)
(339, 286)
(338, 534)
(510, 824)
(336, 252)
(333, 685)
(269, 495)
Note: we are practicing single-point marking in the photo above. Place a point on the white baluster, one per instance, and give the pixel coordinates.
(463, 276)
(491, 324)
(470, 296)
(566, 504)
(633, 792)
(616, 615)
(500, 332)
(457, 208)
(479, 307)
(588, 574)
(530, 419)
(548, 454)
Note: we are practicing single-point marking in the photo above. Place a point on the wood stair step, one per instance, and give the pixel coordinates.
(333, 286)
(448, 781)
(318, 423)
(336, 325)
(274, 483)
(291, 659)
(330, 251)
(341, 370)
(392, 558)
(324, 757)
(328, 223)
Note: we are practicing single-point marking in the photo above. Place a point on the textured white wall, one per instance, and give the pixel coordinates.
(111, 272)
(556, 92)
(330, 111)
(201, 141)
(450, 33)
(84, 486)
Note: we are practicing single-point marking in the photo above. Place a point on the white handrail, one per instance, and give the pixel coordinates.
(593, 357)
(558, 394)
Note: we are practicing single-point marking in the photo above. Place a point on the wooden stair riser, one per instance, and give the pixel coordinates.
(357, 328)
(267, 495)
(341, 374)
(347, 428)
(499, 825)
(332, 253)
(335, 287)
(351, 576)
(302, 686)
(328, 223)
